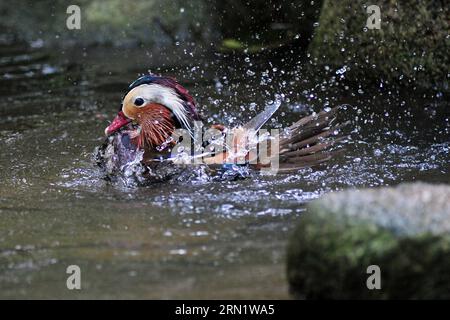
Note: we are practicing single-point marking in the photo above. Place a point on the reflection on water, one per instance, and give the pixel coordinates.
(182, 239)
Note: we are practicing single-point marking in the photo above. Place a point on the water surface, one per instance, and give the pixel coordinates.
(183, 239)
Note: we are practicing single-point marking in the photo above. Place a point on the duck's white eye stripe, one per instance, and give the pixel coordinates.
(167, 97)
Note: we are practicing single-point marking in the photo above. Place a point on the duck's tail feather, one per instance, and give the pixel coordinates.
(308, 142)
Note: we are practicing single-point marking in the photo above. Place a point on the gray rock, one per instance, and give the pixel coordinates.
(404, 230)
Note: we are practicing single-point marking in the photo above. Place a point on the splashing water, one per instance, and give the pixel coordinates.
(191, 236)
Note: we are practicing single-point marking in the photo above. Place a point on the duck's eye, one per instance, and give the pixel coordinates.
(138, 102)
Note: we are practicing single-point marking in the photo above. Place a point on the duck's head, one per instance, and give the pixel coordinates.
(159, 105)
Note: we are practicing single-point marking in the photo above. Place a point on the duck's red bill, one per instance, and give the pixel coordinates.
(119, 121)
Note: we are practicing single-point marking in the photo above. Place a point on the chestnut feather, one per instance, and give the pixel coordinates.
(156, 123)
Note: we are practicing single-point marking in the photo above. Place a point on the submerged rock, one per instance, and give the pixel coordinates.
(404, 230)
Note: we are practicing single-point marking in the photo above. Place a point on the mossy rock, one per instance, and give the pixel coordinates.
(405, 230)
(411, 46)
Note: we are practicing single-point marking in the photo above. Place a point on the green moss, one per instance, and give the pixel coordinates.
(411, 47)
(325, 261)
(232, 44)
(332, 247)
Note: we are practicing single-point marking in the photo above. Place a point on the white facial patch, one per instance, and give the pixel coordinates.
(163, 95)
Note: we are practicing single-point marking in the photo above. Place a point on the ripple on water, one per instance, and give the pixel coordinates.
(184, 237)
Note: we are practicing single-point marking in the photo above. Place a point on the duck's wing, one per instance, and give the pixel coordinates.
(257, 122)
(237, 142)
(308, 142)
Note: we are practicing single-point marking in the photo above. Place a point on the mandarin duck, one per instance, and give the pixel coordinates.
(158, 116)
